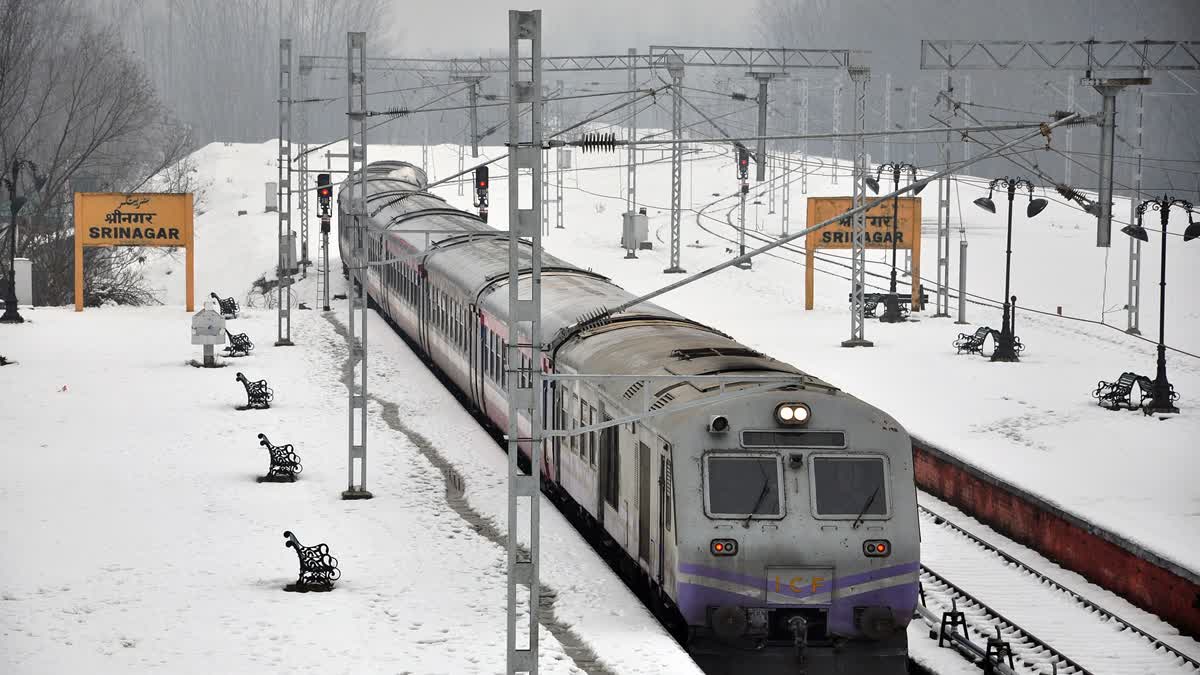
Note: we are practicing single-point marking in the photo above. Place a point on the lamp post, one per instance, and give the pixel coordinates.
(1005, 348)
(1162, 396)
(891, 311)
(11, 315)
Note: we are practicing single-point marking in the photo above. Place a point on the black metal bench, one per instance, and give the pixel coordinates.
(258, 394)
(239, 345)
(1116, 395)
(285, 463)
(318, 569)
(972, 343)
(872, 301)
(229, 306)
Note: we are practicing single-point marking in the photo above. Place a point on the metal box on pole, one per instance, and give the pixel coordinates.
(23, 268)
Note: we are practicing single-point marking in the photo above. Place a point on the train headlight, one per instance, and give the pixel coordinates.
(793, 414)
(718, 424)
(723, 547)
(877, 548)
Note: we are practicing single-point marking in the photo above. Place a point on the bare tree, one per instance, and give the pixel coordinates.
(76, 104)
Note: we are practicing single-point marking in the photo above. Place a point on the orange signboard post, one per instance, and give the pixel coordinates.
(139, 219)
(879, 234)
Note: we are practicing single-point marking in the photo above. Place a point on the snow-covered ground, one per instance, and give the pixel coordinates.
(134, 537)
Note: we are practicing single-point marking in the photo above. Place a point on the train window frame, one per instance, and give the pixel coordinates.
(575, 441)
(779, 485)
(811, 462)
(592, 440)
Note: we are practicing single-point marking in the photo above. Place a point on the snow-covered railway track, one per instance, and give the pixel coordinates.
(1048, 627)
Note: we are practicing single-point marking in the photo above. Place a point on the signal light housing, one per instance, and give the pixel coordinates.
(324, 192)
(877, 548)
(743, 163)
(481, 190)
(792, 414)
(723, 547)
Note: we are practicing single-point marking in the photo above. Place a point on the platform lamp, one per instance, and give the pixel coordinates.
(12, 182)
(891, 311)
(1005, 348)
(1163, 396)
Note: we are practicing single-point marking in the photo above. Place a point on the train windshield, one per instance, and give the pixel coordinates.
(850, 487)
(743, 486)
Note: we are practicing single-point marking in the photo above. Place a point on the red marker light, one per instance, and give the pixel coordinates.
(720, 547)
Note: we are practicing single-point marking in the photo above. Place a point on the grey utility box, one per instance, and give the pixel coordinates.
(635, 231)
(272, 197)
(288, 254)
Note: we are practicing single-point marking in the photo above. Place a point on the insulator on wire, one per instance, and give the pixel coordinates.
(1067, 192)
(738, 97)
(598, 142)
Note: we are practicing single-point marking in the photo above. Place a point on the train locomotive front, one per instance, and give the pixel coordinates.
(775, 524)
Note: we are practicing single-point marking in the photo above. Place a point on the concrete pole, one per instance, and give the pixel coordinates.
(962, 281)
(631, 151)
(803, 141)
(760, 152)
(1067, 132)
(887, 116)
(943, 222)
(1108, 118)
(836, 145)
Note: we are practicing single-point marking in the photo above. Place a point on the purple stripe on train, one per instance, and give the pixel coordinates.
(757, 584)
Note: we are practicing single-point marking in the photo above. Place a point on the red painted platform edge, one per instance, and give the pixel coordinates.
(1107, 559)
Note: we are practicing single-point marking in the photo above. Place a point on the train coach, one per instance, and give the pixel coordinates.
(782, 523)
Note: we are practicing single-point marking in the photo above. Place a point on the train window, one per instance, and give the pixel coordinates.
(591, 436)
(668, 492)
(504, 363)
(583, 439)
(575, 442)
(849, 486)
(743, 486)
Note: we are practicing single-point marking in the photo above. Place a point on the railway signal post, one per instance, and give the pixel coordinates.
(324, 201)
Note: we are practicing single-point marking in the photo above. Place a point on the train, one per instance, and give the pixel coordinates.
(778, 526)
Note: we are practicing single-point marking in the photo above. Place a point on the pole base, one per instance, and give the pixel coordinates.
(674, 270)
(940, 315)
(284, 343)
(631, 256)
(1133, 331)
(857, 343)
(963, 323)
(356, 493)
(742, 265)
(11, 315)
(1152, 409)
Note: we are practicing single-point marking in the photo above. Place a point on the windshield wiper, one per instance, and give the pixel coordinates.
(766, 487)
(870, 501)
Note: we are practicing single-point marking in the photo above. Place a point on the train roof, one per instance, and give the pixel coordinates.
(472, 259)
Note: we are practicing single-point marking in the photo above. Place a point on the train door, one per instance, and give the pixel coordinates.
(644, 502)
(555, 409)
(607, 464)
(666, 509)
